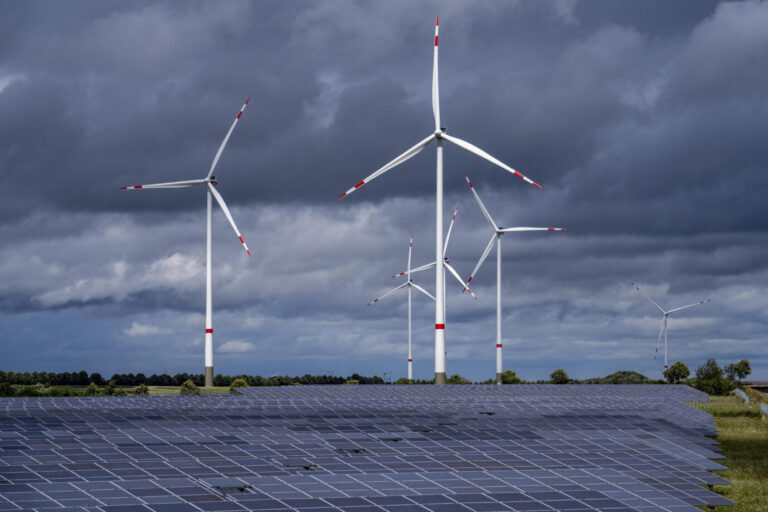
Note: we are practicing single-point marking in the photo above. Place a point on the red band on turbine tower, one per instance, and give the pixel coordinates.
(439, 326)
(410, 360)
(209, 331)
(498, 345)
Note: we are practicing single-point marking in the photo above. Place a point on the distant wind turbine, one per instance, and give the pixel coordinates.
(410, 284)
(498, 231)
(439, 135)
(210, 182)
(664, 315)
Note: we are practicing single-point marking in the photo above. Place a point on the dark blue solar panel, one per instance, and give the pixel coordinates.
(357, 448)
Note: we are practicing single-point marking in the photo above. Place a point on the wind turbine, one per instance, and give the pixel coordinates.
(664, 315)
(446, 264)
(410, 284)
(498, 232)
(210, 182)
(439, 135)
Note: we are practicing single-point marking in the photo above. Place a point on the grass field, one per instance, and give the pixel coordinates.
(743, 435)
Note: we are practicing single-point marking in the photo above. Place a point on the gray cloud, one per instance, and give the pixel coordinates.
(645, 127)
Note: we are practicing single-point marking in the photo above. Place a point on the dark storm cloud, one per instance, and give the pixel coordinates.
(644, 122)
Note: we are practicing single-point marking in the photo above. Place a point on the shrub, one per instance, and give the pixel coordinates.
(111, 387)
(352, 382)
(559, 377)
(676, 373)
(119, 392)
(457, 379)
(404, 380)
(239, 383)
(189, 388)
(510, 377)
(710, 379)
(91, 390)
(141, 390)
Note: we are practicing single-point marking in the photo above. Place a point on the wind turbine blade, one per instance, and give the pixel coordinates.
(224, 142)
(486, 252)
(450, 228)
(482, 206)
(410, 249)
(658, 341)
(436, 84)
(482, 154)
(455, 274)
(510, 230)
(390, 292)
(170, 184)
(419, 269)
(422, 290)
(650, 299)
(689, 305)
(224, 208)
(397, 161)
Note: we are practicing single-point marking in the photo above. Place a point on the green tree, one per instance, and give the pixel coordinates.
(743, 369)
(710, 379)
(6, 389)
(189, 388)
(141, 390)
(559, 377)
(457, 379)
(676, 373)
(730, 371)
(510, 377)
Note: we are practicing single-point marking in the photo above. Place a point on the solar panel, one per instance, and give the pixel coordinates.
(358, 448)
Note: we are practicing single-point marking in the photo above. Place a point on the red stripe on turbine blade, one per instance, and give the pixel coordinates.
(435, 40)
(246, 101)
(249, 252)
(439, 326)
(536, 185)
(241, 239)
(123, 188)
(209, 331)
(342, 195)
(550, 229)
(360, 184)
(138, 186)
(437, 21)
(239, 114)
(469, 280)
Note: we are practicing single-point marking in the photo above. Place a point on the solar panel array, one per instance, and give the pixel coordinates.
(363, 448)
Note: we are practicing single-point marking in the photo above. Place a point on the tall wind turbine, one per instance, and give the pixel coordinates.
(410, 284)
(210, 182)
(498, 232)
(439, 135)
(664, 315)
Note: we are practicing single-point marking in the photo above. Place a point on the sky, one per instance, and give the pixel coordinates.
(644, 122)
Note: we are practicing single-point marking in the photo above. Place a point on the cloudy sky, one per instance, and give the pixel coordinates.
(645, 123)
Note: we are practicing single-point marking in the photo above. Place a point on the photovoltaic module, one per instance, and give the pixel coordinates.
(363, 448)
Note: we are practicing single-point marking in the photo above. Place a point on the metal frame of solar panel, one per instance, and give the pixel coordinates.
(363, 448)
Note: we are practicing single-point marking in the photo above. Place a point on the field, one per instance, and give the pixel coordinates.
(743, 435)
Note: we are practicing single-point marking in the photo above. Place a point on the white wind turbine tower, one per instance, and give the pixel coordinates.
(498, 232)
(664, 316)
(210, 182)
(439, 135)
(410, 284)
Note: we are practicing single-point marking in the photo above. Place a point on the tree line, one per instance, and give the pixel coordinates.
(83, 378)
